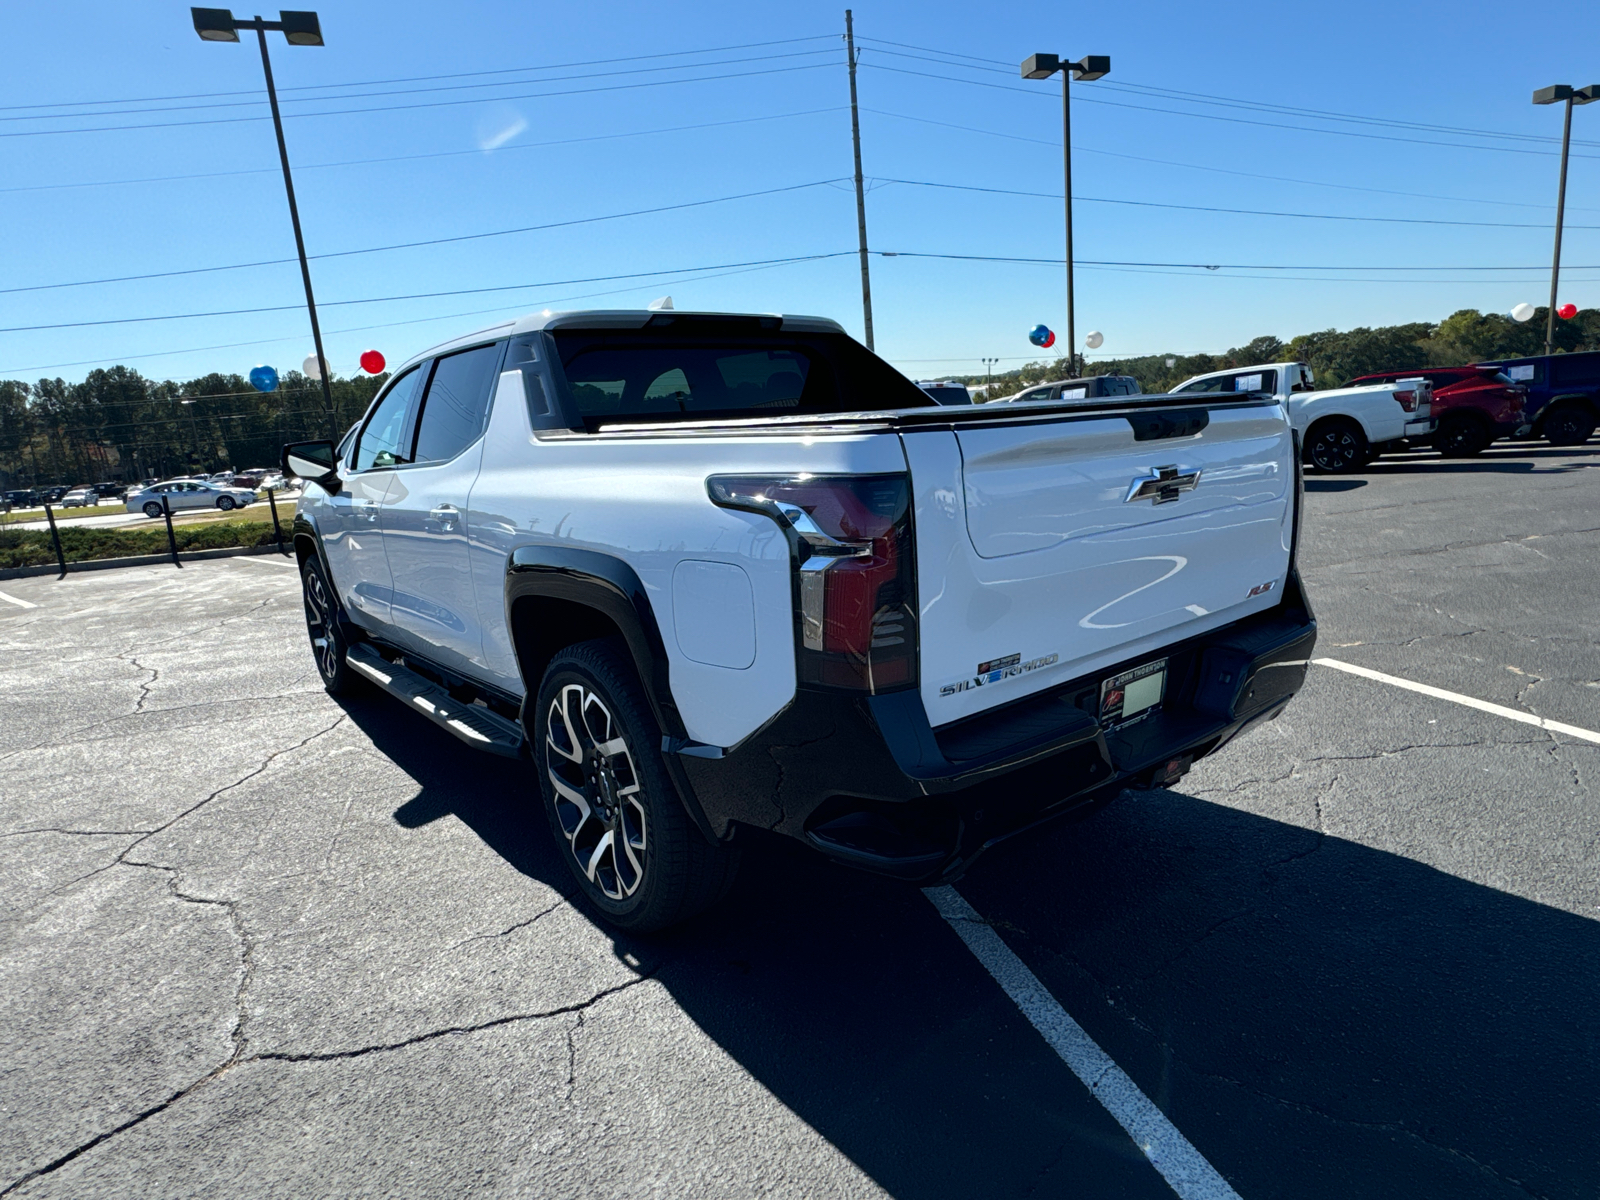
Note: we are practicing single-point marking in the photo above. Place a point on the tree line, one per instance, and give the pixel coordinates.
(118, 425)
(1336, 357)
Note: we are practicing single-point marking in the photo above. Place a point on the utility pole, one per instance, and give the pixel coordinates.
(861, 195)
(988, 379)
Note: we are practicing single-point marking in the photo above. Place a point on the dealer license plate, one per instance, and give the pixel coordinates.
(1134, 693)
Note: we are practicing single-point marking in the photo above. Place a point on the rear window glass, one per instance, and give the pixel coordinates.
(647, 376)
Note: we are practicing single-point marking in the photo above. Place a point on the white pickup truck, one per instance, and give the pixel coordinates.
(1341, 429)
(713, 572)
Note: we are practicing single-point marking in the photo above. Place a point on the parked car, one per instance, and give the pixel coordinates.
(717, 571)
(81, 497)
(1475, 406)
(1093, 388)
(1563, 402)
(53, 495)
(110, 490)
(1341, 429)
(186, 494)
(23, 498)
(946, 391)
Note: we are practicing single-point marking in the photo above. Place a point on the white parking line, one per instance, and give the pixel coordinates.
(1499, 710)
(19, 603)
(1169, 1152)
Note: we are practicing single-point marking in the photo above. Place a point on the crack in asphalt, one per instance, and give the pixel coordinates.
(510, 929)
(433, 1035)
(238, 1060)
(1334, 1118)
(121, 859)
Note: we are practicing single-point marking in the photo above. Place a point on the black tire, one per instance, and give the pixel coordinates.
(329, 642)
(1568, 425)
(592, 729)
(225, 503)
(1336, 446)
(1461, 436)
(152, 509)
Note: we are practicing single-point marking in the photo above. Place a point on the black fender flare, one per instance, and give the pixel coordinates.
(611, 588)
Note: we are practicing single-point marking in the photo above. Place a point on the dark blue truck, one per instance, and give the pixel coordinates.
(1563, 394)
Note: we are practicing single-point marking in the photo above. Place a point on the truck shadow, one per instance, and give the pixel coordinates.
(1319, 1018)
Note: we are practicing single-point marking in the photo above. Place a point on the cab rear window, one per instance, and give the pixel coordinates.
(648, 376)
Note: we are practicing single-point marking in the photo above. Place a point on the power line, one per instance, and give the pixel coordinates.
(1163, 162)
(995, 66)
(339, 112)
(465, 237)
(1249, 212)
(475, 153)
(457, 87)
(1084, 99)
(476, 312)
(429, 78)
(509, 287)
(1213, 267)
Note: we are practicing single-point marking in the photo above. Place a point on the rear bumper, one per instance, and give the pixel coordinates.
(1420, 429)
(867, 781)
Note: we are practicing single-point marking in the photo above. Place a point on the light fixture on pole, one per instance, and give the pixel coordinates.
(1556, 94)
(988, 378)
(1042, 66)
(299, 29)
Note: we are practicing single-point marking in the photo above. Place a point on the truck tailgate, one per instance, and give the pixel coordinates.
(1052, 547)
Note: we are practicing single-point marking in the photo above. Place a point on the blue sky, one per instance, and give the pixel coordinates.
(609, 108)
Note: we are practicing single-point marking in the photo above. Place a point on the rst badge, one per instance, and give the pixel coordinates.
(997, 669)
(1261, 589)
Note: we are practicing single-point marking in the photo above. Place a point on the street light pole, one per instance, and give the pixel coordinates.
(1042, 66)
(988, 378)
(1554, 94)
(299, 29)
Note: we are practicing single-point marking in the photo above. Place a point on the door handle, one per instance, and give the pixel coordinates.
(367, 509)
(447, 515)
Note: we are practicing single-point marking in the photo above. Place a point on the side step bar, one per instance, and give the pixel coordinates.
(472, 723)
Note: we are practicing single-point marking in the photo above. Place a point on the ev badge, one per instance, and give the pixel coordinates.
(1162, 485)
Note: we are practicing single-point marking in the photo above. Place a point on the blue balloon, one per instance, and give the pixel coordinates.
(263, 379)
(1040, 335)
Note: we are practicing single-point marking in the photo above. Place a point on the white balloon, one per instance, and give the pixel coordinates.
(1095, 340)
(311, 368)
(1522, 312)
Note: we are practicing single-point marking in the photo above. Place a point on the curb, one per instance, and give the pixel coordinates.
(142, 560)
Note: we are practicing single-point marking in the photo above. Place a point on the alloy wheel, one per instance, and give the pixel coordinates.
(319, 624)
(598, 799)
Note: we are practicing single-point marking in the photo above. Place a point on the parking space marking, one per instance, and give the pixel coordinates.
(20, 603)
(1499, 710)
(1169, 1152)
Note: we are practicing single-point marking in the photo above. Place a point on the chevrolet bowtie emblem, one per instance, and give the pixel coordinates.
(1163, 485)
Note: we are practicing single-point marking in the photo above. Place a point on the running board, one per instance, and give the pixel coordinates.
(472, 723)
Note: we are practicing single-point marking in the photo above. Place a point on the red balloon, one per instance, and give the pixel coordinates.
(371, 362)
(1050, 340)
(1567, 311)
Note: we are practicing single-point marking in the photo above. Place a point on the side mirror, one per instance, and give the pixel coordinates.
(316, 461)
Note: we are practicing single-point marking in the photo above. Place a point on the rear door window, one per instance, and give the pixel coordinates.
(456, 403)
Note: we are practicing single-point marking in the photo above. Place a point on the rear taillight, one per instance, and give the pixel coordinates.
(1406, 400)
(855, 592)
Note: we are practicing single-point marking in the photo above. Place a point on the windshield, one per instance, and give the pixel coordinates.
(650, 376)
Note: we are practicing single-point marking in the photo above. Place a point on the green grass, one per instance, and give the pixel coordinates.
(32, 547)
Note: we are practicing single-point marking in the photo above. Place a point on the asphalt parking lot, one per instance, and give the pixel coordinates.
(256, 942)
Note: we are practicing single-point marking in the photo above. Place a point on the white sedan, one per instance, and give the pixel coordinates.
(188, 493)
